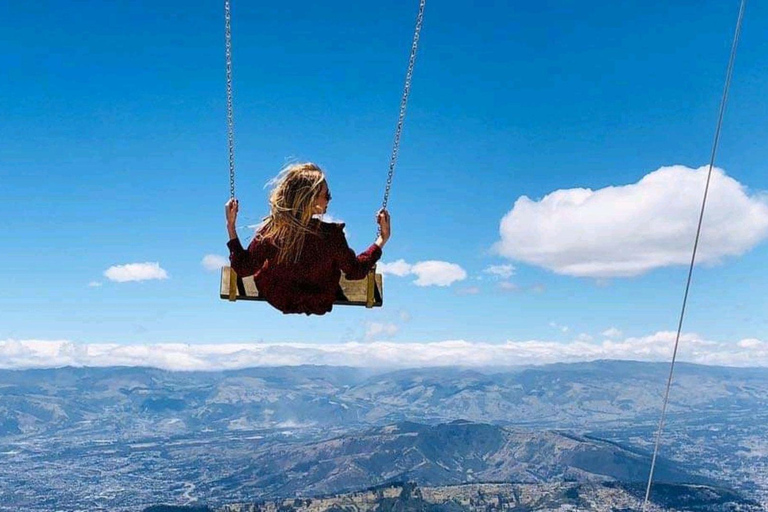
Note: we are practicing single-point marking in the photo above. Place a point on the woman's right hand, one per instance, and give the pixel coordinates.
(230, 210)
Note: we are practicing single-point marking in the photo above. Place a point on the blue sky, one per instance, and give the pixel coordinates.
(113, 152)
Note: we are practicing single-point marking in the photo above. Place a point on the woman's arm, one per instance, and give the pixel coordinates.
(244, 263)
(248, 262)
(358, 266)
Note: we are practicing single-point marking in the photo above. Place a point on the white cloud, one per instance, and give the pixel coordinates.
(179, 356)
(135, 272)
(628, 230)
(94, 284)
(612, 332)
(214, 262)
(437, 273)
(753, 343)
(561, 328)
(428, 273)
(380, 330)
(397, 268)
(503, 271)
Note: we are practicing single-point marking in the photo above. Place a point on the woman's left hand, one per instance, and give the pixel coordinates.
(384, 224)
(230, 210)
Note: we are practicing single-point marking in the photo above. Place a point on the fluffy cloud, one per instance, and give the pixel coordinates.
(214, 262)
(612, 332)
(437, 273)
(397, 268)
(380, 330)
(178, 356)
(631, 229)
(428, 273)
(561, 328)
(502, 271)
(135, 272)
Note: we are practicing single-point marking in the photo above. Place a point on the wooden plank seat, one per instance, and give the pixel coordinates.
(368, 292)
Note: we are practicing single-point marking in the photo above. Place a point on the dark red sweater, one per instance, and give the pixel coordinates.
(309, 285)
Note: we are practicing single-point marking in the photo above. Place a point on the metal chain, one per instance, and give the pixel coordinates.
(230, 107)
(404, 102)
(400, 121)
(723, 101)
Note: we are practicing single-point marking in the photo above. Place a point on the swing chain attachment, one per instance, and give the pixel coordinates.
(404, 102)
(230, 107)
(370, 288)
(232, 286)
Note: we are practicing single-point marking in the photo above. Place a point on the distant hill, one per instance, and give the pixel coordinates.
(581, 395)
(565, 496)
(444, 454)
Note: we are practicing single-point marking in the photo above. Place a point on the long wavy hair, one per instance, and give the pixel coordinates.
(295, 190)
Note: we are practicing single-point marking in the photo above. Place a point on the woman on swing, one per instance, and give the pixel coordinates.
(295, 258)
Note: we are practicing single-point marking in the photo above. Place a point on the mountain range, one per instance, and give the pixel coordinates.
(230, 436)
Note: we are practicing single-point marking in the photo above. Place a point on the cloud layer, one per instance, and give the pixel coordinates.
(629, 230)
(179, 356)
(135, 272)
(429, 273)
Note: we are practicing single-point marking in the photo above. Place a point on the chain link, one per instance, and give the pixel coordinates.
(404, 102)
(230, 107)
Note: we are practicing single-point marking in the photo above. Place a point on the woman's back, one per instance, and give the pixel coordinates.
(296, 259)
(309, 283)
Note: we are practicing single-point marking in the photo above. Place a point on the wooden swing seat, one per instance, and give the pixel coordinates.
(368, 292)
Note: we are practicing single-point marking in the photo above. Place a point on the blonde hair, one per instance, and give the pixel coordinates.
(295, 190)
